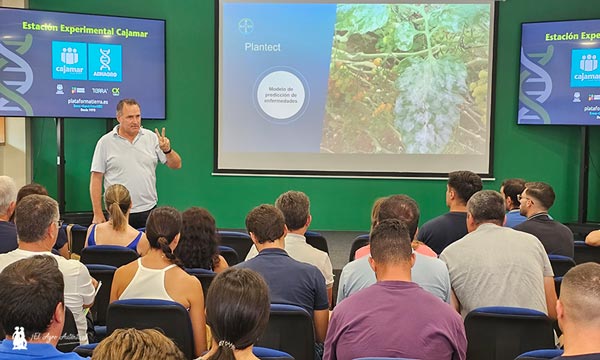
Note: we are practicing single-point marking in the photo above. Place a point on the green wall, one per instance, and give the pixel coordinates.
(548, 154)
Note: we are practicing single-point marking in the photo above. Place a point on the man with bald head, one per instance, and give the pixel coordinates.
(578, 311)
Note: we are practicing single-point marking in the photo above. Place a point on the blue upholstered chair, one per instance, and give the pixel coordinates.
(113, 255)
(291, 330)
(104, 274)
(270, 354)
(561, 264)
(585, 253)
(171, 317)
(502, 333)
(76, 238)
(205, 276)
(316, 240)
(540, 354)
(239, 241)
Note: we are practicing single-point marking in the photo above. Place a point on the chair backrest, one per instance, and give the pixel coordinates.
(561, 264)
(270, 354)
(108, 255)
(171, 317)
(239, 241)
(557, 282)
(76, 238)
(69, 339)
(359, 241)
(502, 333)
(585, 253)
(291, 330)
(205, 276)
(104, 274)
(316, 240)
(540, 354)
(230, 255)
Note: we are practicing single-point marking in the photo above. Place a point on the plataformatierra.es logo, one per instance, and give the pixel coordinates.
(19, 341)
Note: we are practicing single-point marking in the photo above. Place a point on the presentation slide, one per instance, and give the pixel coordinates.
(560, 77)
(365, 88)
(73, 65)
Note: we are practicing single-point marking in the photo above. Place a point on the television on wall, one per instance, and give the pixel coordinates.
(560, 73)
(55, 64)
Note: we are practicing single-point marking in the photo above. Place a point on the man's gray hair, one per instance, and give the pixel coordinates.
(8, 193)
(486, 206)
(33, 215)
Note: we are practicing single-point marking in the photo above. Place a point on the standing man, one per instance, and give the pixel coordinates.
(128, 155)
(536, 200)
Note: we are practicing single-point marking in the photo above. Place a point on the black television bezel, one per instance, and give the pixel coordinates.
(164, 22)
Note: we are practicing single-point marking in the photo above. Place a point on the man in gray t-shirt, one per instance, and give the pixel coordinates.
(498, 266)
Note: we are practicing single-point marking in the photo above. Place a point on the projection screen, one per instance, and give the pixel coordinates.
(368, 88)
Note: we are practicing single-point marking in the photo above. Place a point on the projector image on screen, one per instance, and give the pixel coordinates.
(55, 64)
(365, 87)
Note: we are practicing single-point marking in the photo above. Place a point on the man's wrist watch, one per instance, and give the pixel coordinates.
(168, 151)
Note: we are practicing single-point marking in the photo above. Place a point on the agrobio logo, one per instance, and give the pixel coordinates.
(105, 62)
(69, 60)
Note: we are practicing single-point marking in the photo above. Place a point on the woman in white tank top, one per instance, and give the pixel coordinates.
(157, 274)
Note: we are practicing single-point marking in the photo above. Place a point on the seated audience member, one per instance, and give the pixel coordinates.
(362, 325)
(498, 266)
(199, 242)
(593, 238)
(37, 220)
(133, 344)
(578, 311)
(536, 200)
(32, 309)
(60, 246)
(295, 207)
(156, 275)
(237, 312)
(511, 189)
(8, 200)
(116, 231)
(445, 229)
(417, 246)
(290, 281)
(430, 273)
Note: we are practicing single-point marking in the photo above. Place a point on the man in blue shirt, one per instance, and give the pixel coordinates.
(290, 282)
(32, 309)
(511, 189)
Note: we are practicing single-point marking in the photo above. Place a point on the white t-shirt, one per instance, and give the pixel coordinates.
(299, 250)
(132, 165)
(79, 290)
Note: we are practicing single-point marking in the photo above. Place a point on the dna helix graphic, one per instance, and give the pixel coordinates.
(17, 76)
(104, 59)
(535, 87)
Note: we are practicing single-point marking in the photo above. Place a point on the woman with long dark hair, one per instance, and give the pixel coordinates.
(158, 275)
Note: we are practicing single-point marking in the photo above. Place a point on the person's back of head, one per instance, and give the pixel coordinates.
(391, 244)
(464, 183)
(485, 206)
(403, 208)
(199, 243)
(375, 211)
(578, 307)
(8, 196)
(265, 223)
(295, 207)
(512, 189)
(162, 228)
(33, 215)
(134, 344)
(31, 289)
(237, 310)
(31, 189)
(541, 193)
(117, 202)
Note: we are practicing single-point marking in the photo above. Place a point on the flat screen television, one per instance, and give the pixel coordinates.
(354, 88)
(55, 64)
(560, 77)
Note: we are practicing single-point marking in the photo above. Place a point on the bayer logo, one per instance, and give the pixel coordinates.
(246, 26)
